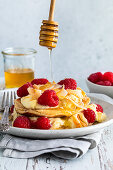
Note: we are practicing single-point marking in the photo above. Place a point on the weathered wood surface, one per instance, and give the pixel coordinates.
(100, 158)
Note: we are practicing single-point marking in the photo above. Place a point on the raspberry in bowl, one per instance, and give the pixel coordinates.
(100, 82)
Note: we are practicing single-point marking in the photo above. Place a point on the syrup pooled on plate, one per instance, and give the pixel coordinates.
(17, 77)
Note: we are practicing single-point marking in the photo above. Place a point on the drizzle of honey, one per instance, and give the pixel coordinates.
(17, 77)
(50, 59)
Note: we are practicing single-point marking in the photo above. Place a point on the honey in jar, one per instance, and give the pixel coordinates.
(18, 77)
(18, 66)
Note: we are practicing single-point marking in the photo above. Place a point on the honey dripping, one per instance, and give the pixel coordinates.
(50, 60)
(49, 34)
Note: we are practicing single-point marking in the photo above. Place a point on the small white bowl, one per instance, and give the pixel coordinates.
(95, 88)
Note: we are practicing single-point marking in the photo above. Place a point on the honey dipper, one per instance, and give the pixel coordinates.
(49, 29)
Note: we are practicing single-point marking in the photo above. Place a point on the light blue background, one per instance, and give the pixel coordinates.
(85, 42)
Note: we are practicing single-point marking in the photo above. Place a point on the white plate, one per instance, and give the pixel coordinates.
(48, 134)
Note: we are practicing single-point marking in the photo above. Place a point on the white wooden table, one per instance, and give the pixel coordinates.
(100, 158)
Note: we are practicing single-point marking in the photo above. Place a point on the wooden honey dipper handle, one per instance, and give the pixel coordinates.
(51, 11)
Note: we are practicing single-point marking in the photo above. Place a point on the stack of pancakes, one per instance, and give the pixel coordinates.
(69, 112)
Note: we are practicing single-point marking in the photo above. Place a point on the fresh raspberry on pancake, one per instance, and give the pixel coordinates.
(22, 122)
(108, 76)
(99, 108)
(68, 83)
(48, 98)
(89, 115)
(33, 124)
(43, 123)
(39, 81)
(22, 91)
(12, 108)
(95, 77)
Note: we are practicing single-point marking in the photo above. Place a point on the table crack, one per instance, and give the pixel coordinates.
(99, 154)
(27, 164)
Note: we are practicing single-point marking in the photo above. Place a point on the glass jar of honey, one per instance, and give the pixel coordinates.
(18, 66)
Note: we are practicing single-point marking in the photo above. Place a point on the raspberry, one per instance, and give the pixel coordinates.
(90, 115)
(33, 124)
(100, 83)
(107, 83)
(39, 81)
(22, 122)
(69, 83)
(104, 83)
(108, 76)
(22, 91)
(99, 108)
(48, 98)
(12, 108)
(95, 77)
(43, 123)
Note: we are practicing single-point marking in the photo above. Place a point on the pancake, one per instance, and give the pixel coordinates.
(70, 101)
(50, 112)
(74, 121)
(68, 114)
